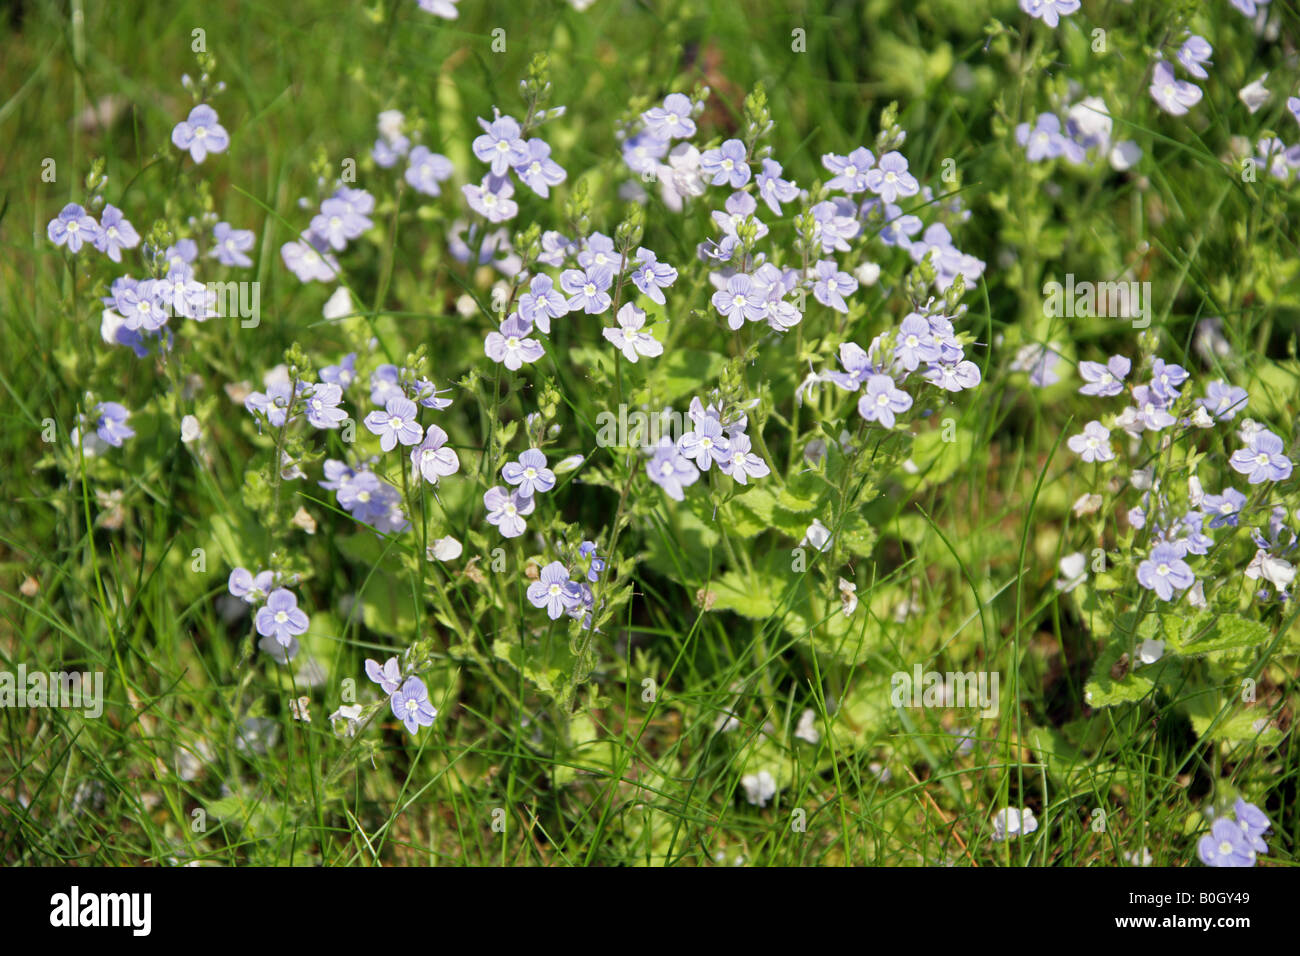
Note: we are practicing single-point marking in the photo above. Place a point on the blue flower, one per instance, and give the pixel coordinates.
(388, 677)
(1223, 401)
(890, 179)
(411, 705)
(672, 120)
(1193, 53)
(587, 289)
(1049, 11)
(850, 171)
(1165, 571)
(491, 198)
(510, 344)
(501, 146)
(280, 618)
(831, 285)
(671, 470)
(507, 511)
(1262, 459)
(1104, 380)
(322, 405)
(73, 226)
(1171, 94)
(1224, 509)
(398, 422)
(1093, 444)
(529, 473)
(426, 170)
(229, 245)
(200, 133)
(115, 233)
(1225, 845)
(110, 423)
(651, 276)
(554, 590)
(882, 401)
(431, 460)
(539, 172)
(727, 165)
(773, 188)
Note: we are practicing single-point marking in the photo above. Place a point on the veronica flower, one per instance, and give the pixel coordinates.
(555, 249)
(1044, 140)
(501, 146)
(491, 198)
(850, 171)
(1227, 843)
(1104, 380)
(740, 206)
(643, 151)
(539, 172)
(554, 590)
(447, 10)
(1165, 571)
(1093, 443)
(1249, 7)
(740, 462)
(652, 276)
(890, 179)
(1171, 94)
(915, 344)
(115, 233)
(1253, 823)
(773, 188)
(388, 677)
(727, 164)
(1262, 459)
(834, 225)
(229, 245)
(1223, 401)
(273, 403)
(882, 401)
(542, 302)
(307, 263)
(628, 336)
(427, 170)
(529, 473)
(431, 459)
(250, 588)
(1049, 11)
(1166, 378)
(672, 120)
(411, 701)
(830, 285)
(705, 443)
(511, 346)
(507, 511)
(1194, 52)
(738, 301)
(953, 376)
(598, 252)
(587, 288)
(385, 385)
(73, 226)
(322, 406)
(426, 393)
(1151, 410)
(1011, 822)
(396, 423)
(335, 224)
(110, 423)
(1224, 509)
(281, 618)
(200, 133)
(671, 470)
(858, 367)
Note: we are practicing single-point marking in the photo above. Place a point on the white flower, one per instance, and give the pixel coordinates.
(807, 729)
(848, 597)
(190, 430)
(1141, 858)
(1086, 505)
(1150, 651)
(867, 274)
(1255, 94)
(340, 303)
(350, 713)
(1275, 571)
(1011, 823)
(446, 549)
(1074, 571)
(817, 535)
(759, 788)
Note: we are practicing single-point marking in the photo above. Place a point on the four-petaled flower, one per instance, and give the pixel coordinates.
(280, 618)
(200, 133)
(397, 422)
(554, 590)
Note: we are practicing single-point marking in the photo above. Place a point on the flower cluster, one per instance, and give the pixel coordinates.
(1088, 129)
(1235, 842)
(559, 593)
(105, 428)
(408, 698)
(344, 216)
(717, 436)
(279, 620)
(1177, 531)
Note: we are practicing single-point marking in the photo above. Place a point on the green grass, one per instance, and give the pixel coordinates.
(712, 611)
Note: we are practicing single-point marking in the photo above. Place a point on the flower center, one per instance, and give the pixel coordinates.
(281, 617)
